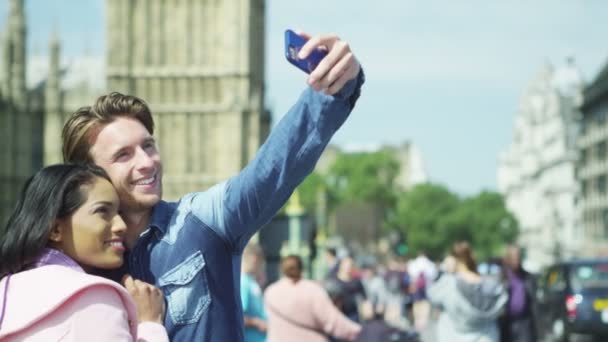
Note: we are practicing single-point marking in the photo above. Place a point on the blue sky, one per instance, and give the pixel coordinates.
(446, 75)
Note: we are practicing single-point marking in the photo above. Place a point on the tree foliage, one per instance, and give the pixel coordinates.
(419, 214)
(429, 216)
(486, 223)
(357, 177)
(432, 219)
(309, 190)
(364, 177)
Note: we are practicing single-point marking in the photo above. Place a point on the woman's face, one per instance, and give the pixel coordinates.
(94, 234)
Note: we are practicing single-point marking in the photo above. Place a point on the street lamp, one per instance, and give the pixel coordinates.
(295, 211)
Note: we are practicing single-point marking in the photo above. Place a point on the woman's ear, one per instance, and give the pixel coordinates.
(55, 234)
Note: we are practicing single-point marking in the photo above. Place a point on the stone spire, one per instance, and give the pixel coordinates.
(569, 80)
(542, 81)
(7, 61)
(52, 91)
(53, 105)
(18, 40)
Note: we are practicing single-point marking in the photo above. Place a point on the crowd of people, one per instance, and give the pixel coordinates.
(350, 303)
(396, 299)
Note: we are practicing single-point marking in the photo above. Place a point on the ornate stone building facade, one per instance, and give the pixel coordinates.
(36, 97)
(200, 67)
(20, 113)
(593, 164)
(199, 64)
(64, 88)
(536, 174)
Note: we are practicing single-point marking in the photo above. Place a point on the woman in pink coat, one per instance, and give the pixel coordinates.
(300, 309)
(65, 225)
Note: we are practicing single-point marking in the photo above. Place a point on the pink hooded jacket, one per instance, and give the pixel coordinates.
(58, 303)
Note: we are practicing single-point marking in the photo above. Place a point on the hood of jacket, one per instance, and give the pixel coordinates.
(34, 294)
(469, 304)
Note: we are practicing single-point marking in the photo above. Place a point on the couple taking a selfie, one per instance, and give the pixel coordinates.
(93, 253)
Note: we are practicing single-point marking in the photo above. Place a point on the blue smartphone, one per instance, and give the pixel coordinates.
(293, 44)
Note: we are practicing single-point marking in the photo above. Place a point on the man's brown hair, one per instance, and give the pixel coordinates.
(80, 131)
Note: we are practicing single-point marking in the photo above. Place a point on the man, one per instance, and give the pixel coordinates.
(251, 294)
(352, 292)
(192, 248)
(517, 323)
(331, 258)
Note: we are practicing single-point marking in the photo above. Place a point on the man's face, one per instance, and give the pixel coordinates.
(512, 257)
(128, 153)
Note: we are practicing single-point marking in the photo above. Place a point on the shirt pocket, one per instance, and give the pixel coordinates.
(186, 289)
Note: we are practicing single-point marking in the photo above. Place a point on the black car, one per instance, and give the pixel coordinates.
(572, 299)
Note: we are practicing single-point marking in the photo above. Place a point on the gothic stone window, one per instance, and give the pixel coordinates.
(601, 117)
(601, 151)
(584, 186)
(601, 184)
(605, 221)
(583, 155)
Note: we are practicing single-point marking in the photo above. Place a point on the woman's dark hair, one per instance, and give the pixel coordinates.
(462, 252)
(52, 193)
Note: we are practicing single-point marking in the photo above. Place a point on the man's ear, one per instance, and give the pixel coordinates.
(56, 232)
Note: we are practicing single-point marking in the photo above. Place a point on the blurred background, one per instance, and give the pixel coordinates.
(479, 121)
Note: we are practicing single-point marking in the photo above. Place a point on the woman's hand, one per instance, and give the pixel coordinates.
(149, 299)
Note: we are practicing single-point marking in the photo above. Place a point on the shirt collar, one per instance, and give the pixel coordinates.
(160, 218)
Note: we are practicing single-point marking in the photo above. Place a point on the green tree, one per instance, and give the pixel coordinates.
(309, 190)
(367, 177)
(364, 177)
(432, 219)
(485, 222)
(419, 217)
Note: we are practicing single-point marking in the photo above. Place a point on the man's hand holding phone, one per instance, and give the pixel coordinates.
(335, 69)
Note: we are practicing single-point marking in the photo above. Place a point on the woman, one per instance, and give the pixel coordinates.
(65, 224)
(300, 309)
(469, 304)
(352, 292)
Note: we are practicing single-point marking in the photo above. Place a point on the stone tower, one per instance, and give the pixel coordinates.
(54, 120)
(200, 66)
(20, 145)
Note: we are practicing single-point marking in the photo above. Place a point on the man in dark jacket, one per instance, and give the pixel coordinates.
(518, 321)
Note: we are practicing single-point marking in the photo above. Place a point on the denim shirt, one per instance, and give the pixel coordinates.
(192, 248)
